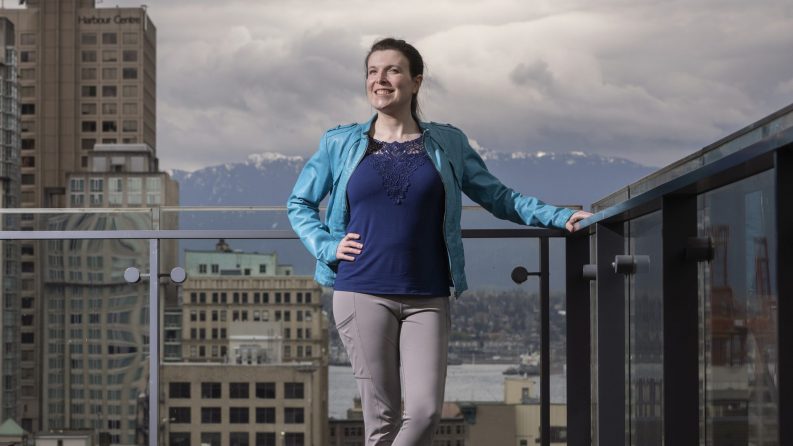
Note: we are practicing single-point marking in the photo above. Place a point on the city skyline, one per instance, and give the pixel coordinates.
(648, 81)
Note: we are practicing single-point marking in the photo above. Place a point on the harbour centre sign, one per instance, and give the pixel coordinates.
(118, 19)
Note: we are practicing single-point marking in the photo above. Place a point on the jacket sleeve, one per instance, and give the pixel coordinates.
(311, 187)
(486, 190)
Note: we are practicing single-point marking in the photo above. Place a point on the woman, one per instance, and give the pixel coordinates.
(391, 245)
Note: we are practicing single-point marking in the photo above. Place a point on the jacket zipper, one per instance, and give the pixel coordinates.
(355, 166)
(445, 197)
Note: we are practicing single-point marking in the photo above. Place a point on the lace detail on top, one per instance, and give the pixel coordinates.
(396, 162)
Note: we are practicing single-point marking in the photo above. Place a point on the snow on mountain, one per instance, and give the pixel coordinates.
(266, 179)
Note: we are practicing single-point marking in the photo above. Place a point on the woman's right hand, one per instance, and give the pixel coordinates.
(347, 246)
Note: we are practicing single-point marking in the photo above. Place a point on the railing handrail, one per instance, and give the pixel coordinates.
(744, 163)
(240, 234)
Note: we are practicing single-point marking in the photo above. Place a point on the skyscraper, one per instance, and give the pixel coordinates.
(87, 76)
(9, 198)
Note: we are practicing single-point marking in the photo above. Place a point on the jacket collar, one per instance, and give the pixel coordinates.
(366, 126)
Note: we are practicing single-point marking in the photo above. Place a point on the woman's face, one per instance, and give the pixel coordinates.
(389, 86)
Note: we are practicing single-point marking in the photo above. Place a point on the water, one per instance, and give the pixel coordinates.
(466, 382)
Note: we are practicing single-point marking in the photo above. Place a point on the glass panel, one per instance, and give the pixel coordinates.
(738, 314)
(645, 332)
(230, 359)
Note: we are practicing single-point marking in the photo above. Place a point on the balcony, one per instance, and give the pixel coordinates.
(661, 322)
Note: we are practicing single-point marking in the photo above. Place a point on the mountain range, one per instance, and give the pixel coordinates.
(266, 179)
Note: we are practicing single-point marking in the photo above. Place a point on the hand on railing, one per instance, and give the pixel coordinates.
(572, 223)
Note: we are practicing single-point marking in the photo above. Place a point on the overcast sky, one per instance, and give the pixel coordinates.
(651, 81)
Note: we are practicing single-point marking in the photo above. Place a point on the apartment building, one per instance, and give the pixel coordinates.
(253, 365)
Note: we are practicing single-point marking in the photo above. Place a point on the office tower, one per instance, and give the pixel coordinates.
(9, 198)
(86, 78)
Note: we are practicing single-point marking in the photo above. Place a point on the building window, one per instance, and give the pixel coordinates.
(265, 415)
(294, 415)
(211, 415)
(130, 108)
(130, 91)
(110, 56)
(265, 390)
(89, 126)
(210, 390)
(238, 439)
(77, 185)
(88, 143)
(180, 438)
(179, 414)
(129, 126)
(27, 73)
(179, 390)
(262, 269)
(202, 268)
(28, 109)
(238, 415)
(238, 390)
(153, 184)
(109, 38)
(109, 126)
(27, 56)
(129, 73)
(96, 184)
(28, 144)
(109, 91)
(27, 91)
(88, 56)
(88, 74)
(210, 438)
(88, 91)
(265, 438)
(109, 108)
(88, 109)
(27, 39)
(130, 38)
(294, 439)
(109, 74)
(28, 161)
(88, 38)
(293, 391)
(28, 178)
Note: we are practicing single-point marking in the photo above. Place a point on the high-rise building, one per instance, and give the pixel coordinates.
(86, 78)
(9, 198)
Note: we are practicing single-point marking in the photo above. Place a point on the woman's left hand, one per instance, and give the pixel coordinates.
(572, 223)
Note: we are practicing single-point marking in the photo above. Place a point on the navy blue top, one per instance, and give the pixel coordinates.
(396, 202)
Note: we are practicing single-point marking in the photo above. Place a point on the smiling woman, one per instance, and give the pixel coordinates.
(391, 243)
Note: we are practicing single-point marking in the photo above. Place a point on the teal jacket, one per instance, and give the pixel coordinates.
(461, 170)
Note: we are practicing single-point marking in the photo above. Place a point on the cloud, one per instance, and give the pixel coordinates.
(534, 74)
(647, 80)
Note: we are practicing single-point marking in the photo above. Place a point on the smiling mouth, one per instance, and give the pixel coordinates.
(382, 92)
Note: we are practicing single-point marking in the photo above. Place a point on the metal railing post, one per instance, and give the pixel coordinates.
(154, 342)
(545, 346)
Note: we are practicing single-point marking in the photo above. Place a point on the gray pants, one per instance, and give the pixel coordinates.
(381, 332)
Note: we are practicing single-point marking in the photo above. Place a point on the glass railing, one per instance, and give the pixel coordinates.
(246, 348)
(776, 124)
